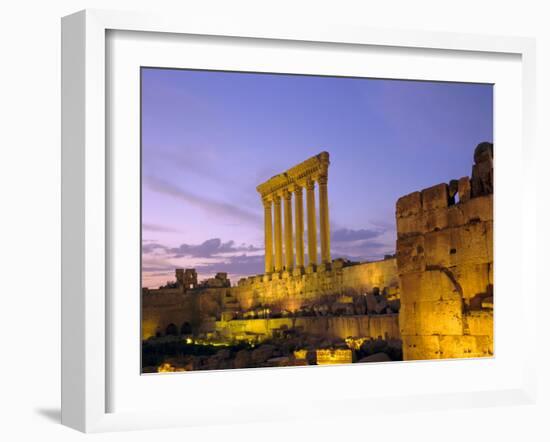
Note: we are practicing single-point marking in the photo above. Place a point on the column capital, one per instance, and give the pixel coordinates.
(287, 194)
(323, 179)
(310, 184)
(298, 190)
(267, 200)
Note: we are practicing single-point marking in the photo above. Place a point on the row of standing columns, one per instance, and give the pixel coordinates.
(292, 227)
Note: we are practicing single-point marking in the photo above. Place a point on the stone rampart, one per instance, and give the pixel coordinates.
(280, 292)
(290, 292)
(164, 309)
(445, 266)
(334, 327)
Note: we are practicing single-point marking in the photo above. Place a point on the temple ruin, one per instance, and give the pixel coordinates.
(434, 298)
(287, 186)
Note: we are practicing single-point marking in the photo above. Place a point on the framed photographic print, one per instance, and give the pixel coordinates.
(212, 144)
(250, 213)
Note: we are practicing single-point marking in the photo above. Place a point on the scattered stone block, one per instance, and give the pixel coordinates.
(334, 356)
(377, 357)
(242, 359)
(371, 303)
(280, 361)
(262, 354)
(223, 354)
(381, 305)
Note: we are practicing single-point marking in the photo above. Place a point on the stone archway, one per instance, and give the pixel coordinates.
(171, 330)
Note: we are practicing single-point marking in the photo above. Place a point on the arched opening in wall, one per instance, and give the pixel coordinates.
(171, 330)
(186, 329)
(453, 192)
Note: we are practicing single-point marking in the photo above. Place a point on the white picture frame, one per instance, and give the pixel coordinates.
(86, 205)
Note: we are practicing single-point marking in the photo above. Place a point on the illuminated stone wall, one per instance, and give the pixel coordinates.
(290, 292)
(200, 307)
(291, 288)
(196, 309)
(342, 327)
(445, 266)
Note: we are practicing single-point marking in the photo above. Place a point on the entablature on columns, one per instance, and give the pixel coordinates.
(312, 169)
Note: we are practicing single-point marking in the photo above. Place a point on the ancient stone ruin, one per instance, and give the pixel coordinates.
(433, 300)
(285, 186)
(445, 266)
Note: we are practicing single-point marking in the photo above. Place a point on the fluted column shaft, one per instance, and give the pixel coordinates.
(278, 234)
(323, 220)
(268, 236)
(299, 214)
(311, 224)
(289, 248)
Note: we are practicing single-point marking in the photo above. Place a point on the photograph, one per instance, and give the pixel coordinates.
(292, 220)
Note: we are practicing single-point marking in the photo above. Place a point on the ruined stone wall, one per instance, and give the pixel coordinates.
(290, 292)
(163, 307)
(362, 278)
(281, 291)
(342, 327)
(445, 266)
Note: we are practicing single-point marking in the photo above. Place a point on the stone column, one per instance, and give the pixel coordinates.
(289, 248)
(268, 228)
(299, 213)
(311, 224)
(278, 234)
(323, 219)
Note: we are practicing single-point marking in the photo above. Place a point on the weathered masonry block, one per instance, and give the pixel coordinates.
(445, 266)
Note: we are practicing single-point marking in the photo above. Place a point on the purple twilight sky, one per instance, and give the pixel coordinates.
(209, 138)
